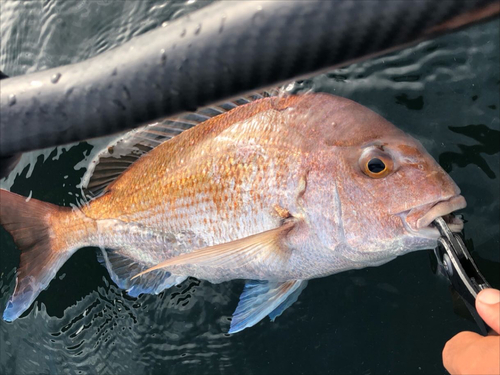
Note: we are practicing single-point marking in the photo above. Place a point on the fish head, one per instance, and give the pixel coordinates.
(400, 189)
(388, 188)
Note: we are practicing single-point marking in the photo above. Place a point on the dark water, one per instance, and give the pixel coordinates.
(390, 319)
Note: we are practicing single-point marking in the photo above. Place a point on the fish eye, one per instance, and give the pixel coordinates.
(375, 163)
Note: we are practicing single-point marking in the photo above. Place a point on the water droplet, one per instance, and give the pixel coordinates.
(55, 78)
(164, 24)
(163, 56)
(257, 17)
(198, 29)
(12, 99)
(69, 91)
(126, 93)
(183, 33)
(222, 20)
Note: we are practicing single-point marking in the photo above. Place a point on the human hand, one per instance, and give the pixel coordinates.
(468, 353)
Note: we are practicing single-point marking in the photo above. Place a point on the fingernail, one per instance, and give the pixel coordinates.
(489, 296)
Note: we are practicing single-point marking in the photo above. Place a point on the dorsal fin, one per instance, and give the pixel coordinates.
(123, 151)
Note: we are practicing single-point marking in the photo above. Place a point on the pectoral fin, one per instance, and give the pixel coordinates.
(261, 298)
(266, 246)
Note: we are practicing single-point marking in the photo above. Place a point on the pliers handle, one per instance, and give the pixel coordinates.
(460, 269)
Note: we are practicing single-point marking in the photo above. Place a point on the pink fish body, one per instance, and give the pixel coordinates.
(277, 191)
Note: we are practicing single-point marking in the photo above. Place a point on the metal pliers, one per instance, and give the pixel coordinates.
(464, 276)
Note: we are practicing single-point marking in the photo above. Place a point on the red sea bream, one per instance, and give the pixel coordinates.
(277, 191)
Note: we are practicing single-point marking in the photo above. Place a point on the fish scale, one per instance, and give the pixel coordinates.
(213, 192)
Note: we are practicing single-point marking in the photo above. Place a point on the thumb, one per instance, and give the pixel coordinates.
(488, 307)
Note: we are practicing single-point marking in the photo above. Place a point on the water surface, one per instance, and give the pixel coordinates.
(390, 319)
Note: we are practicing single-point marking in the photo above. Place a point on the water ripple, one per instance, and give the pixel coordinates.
(444, 92)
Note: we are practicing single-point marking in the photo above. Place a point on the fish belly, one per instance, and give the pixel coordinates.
(147, 245)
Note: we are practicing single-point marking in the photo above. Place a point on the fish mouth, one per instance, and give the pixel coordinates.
(419, 220)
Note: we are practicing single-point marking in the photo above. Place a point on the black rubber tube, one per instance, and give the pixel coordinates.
(217, 52)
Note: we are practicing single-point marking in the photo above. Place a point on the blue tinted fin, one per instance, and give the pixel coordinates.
(289, 301)
(261, 298)
(121, 269)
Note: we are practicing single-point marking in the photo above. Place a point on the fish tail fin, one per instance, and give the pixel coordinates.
(42, 253)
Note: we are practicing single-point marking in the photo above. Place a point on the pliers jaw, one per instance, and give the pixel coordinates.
(462, 272)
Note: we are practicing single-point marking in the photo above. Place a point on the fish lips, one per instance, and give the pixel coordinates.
(419, 220)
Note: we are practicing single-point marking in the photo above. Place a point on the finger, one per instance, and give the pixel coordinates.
(469, 353)
(488, 307)
(454, 357)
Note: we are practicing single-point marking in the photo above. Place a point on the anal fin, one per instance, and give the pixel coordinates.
(261, 298)
(121, 269)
